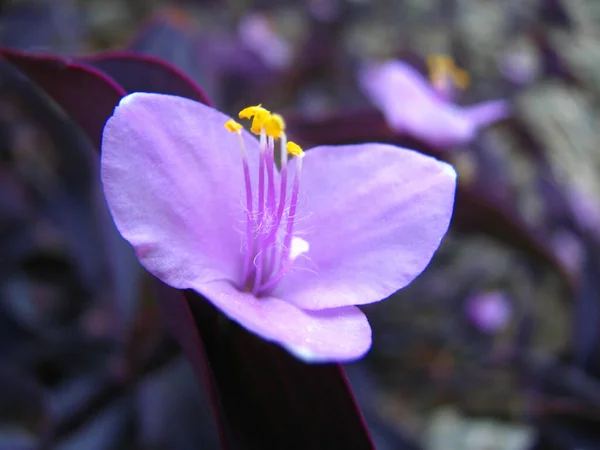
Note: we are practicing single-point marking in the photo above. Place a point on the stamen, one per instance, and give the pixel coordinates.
(250, 111)
(270, 162)
(268, 259)
(283, 186)
(274, 126)
(442, 70)
(292, 246)
(277, 215)
(258, 260)
(294, 150)
(259, 120)
(299, 246)
(233, 126)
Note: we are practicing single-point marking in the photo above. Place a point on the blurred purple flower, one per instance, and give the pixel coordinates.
(519, 68)
(569, 250)
(324, 10)
(413, 106)
(256, 33)
(208, 210)
(585, 210)
(490, 312)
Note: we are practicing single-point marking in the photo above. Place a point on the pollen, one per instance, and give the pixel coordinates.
(443, 67)
(274, 126)
(233, 126)
(251, 111)
(259, 116)
(294, 149)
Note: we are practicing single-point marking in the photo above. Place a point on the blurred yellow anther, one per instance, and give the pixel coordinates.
(259, 116)
(294, 149)
(274, 125)
(233, 126)
(442, 68)
(260, 119)
(251, 111)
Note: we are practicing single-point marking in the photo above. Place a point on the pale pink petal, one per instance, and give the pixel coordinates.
(339, 334)
(372, 215)
(173, 181)
(411, 105)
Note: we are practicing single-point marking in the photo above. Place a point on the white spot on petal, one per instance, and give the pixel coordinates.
(298, 247)
(128, 98)
(303, 353)
(449, 170)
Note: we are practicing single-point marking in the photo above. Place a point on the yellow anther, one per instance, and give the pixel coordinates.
(274, 126)
(251, 111)
(461, 78)
(294, 149)
(261, 117)
(233, 126)
(442, 68)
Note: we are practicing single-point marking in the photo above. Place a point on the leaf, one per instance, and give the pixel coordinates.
(271, 399)
(22, 403)
(86, 94)
(179, 319)
(61, 176)
(171, 36)
(141, 73)
(554, 13)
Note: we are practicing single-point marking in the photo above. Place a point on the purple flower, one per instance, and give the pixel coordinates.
(257, 33)
(413, 106)
(490, 312)
(286, 253)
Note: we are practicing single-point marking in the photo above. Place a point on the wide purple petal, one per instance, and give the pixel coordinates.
(337, 334)
(373, 215)
(173, 180)
(410, 105)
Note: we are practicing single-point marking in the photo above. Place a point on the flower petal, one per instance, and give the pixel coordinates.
(411, 105)
(373, 215)
(338, 334)
(173, 181)
(486, 113)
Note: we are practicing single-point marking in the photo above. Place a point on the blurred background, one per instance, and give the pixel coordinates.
(494, 347)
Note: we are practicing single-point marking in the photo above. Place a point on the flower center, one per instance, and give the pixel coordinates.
(445, 75)
(270, 245)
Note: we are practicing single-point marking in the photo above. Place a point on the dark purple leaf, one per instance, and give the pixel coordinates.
(57, 148)
(386, 436)
(218, 62)
(141, 73)
(565, 433)
(553, 64)
(173, 410)
(568, 405)
(169, 35)
(586, 326)
(555, 13)
(178, 318)
(86, 94)
(22, 403)
(271, 399)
